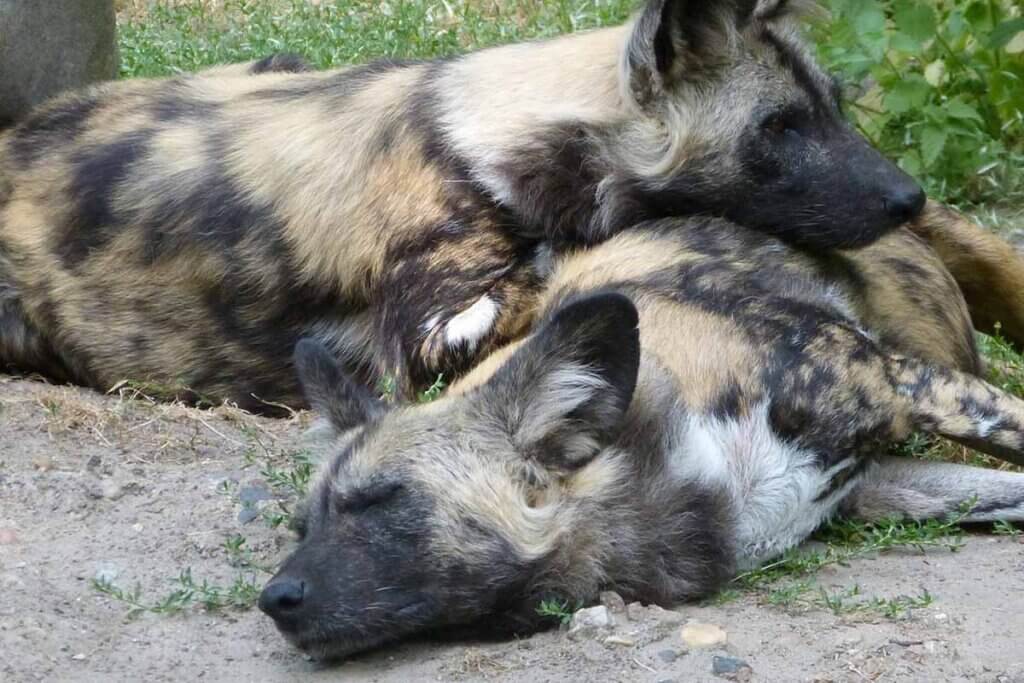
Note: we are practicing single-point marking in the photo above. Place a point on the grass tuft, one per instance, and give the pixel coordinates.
(240, 595)
(556, 610)
(845, 540)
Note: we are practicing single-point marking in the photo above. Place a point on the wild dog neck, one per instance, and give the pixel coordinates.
(712, 108)
(629, 517)
(524, 119)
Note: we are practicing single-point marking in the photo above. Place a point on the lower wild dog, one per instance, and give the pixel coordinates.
(696, 399)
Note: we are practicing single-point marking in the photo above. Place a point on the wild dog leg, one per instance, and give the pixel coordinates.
(467, 301)
(961, 407)
(906, 296)
(918, 489)
(987, 268)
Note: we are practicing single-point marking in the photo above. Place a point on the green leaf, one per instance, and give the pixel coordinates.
(910, 163)
(979, 16)
(1004, 33)
(958, 109)
(915, 20)
(867, 16)
(905, 43)
(910, 93)
(933, 140)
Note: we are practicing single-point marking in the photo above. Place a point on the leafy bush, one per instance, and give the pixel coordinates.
(939, 87)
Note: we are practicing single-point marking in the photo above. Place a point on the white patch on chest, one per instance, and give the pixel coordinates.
(773, 485)
(470, 326)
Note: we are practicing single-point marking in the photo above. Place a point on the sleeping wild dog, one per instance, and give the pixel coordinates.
(696, 399)
(186, 232)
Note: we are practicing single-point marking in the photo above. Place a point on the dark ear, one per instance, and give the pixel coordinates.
(563, 395)
(675, 40)
(332, 393)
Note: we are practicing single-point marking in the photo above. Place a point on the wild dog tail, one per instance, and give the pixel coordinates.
(962, 408)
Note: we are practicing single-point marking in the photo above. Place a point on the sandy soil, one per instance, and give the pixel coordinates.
(135, 492)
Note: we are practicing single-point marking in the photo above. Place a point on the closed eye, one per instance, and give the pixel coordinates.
(361, 499)
(792, 119)
(299, 522)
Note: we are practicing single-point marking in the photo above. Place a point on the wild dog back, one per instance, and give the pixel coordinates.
(188, 231)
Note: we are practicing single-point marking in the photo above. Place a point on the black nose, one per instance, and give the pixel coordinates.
(905, 204)
(281, 596)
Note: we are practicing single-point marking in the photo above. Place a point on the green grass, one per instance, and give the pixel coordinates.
(556, 610)
(802, 596)
(787, 582)
(171, 38)
(287, 473)
(187, 593)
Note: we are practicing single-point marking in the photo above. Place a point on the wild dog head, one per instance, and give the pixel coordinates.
(439, 515)
(476, 507)
(737, 120)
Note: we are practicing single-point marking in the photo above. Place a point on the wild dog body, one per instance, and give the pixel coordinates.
(187, 231)
(696, 399)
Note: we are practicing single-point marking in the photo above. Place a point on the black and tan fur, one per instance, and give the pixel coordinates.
(186, 232)
(696, 399)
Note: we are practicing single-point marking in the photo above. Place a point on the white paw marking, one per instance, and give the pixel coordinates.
(470, 326)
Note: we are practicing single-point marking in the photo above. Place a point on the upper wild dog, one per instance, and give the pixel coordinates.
(695, 399)
(187, 231)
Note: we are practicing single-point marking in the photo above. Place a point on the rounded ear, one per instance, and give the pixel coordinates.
(330, 391)
(675, 40)
(564, 394)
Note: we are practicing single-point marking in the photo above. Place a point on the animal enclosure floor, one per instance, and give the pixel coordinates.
(126, 493)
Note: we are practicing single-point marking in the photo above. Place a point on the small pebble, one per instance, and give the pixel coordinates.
(111, 490)
(8, 536)
(732, 668)
(43, 463)
(106, 574)
(619, 640)
(613, 601)
(698, 635)
(668, 656)
(587, 622)
(247, 514)
(253, 494)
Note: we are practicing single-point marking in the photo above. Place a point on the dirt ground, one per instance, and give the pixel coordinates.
(131, 492)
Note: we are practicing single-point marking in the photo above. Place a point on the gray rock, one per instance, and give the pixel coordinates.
(247, 514)
(103, 488)
(668, 656)
(111, 489)
(48, 46)
(613, 601)
(588, 622)
(248, 495)
(732, 668)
